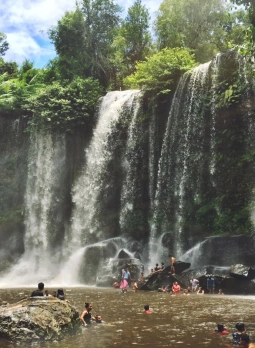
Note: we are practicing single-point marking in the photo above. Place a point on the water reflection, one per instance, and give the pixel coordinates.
(176, 321)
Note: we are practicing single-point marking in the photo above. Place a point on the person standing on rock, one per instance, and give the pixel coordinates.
(172, 264)
(194, 284)
(39, 291)
(210, 284)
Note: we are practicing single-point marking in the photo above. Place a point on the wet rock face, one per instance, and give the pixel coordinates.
(38, 318)
(223, 250)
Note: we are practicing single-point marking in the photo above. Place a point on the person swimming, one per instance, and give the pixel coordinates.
(147, 309)
(222, 330)
(86, 316)
(240, 327)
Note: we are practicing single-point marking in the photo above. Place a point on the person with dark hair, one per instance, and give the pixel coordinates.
(86, 316)
(222, 330)
(147, 309)
(245, 341)
(210, 282)
(46, 292)
(60, 294)
(240, 330)
(156, 268)
(39, 291)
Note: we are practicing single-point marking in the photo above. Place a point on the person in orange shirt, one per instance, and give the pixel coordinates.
(176, 288)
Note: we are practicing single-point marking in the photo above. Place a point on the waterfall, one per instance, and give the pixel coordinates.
(151, 180)
(46, 161)
(215, 76)
(180, 160)
(85, 223)
(94, 190)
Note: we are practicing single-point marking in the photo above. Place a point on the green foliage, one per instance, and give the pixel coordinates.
(63, 108)
(132, 42)
(206, 27)
(83, 40)
(8, 68)
(231, 93)
(159, 73)
(3, 44)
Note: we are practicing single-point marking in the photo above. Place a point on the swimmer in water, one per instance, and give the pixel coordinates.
(222, 330)
(147, 309)
(86, 316)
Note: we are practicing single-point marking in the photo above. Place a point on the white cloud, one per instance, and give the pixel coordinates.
(22, 46)
(26, 22)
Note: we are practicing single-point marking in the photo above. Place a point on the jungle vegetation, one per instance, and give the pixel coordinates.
(98, 50)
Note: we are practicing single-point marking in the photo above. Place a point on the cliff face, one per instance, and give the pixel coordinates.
(156, 177)
(13, 175)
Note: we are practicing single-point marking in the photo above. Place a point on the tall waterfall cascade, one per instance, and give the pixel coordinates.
(141, 191)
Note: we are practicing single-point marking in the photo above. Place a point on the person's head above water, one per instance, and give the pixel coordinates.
(146, 307)
(244, 340)
(40, 286)
(221, 327)
(240, 327)
(88, 306)
(98, 318)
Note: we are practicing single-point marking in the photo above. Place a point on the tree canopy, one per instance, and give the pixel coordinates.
(206, 27)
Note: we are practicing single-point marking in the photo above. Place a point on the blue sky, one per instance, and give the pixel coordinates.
(26, 22)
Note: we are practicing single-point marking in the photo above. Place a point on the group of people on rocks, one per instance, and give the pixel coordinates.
(175, 288)
(240, 337)
(41, 292)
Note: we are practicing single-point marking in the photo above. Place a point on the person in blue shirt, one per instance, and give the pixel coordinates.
(210, 284)
(236, 335)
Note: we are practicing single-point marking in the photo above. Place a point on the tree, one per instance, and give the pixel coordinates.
(136, 34)
(249, 45)
(10, 68)
(68, 38)
(3, 44)
(132, 42)
(83, 40)
(195, 24)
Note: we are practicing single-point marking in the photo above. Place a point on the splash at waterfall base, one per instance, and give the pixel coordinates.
(38, 319)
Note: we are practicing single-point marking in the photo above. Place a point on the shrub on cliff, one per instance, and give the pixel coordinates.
(159, 73)
(63, 107)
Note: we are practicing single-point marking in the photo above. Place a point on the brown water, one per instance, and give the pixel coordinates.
(175, 321)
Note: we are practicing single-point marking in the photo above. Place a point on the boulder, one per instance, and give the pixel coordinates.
(38, 318)
(123, 254)
(229, 282)
(181, 266)
(222, 250)
(155, 281)
(241, 271)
